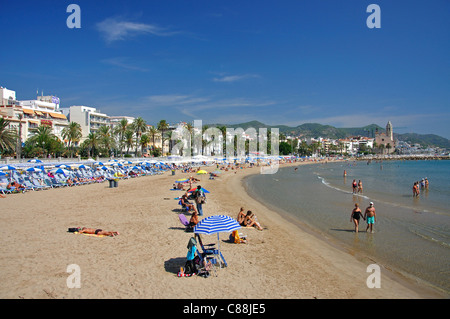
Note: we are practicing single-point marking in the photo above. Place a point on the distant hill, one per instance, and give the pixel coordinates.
(424, 140)
(320, 130)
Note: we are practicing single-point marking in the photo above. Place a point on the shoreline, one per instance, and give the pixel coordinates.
(422, 287)
(281, 262)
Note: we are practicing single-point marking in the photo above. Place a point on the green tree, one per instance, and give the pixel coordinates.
(145, 139)
(44, 138)
(129, 139)
(139, 127)
(92, 143)
(120, 130)
(72, 133)
(8, 137)
(106, 139)
(162, 127)
(285, 148)
(153, 133)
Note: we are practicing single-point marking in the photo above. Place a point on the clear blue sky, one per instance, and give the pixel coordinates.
(279, 62)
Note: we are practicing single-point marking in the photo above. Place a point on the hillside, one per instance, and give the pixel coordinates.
(320, 130)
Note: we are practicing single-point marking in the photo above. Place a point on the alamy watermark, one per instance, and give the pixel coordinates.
(74, 19)
(374, 279)
(74, 279)
(236, 144)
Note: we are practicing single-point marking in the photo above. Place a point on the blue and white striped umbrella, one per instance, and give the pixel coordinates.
(34, 161)
(8, 168)
(60, 171)
(216, 224)
(33, 169)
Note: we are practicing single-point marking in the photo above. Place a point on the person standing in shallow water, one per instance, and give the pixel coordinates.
(355, 216)
(370, 216)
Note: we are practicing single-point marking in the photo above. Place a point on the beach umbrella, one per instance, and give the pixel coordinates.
(193, 189)
(182, 180)
(2, 173)
(63, 166)
(98, 163)
(33, 169)
(34, 161)
(215, 225)
(60, 171)
(8, 168)
(202, 172)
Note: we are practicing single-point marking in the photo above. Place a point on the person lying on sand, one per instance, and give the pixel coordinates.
(94, 231)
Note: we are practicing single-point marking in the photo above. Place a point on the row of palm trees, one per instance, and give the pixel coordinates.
(106, 140)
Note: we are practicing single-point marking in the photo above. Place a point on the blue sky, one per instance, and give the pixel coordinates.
(279, 62)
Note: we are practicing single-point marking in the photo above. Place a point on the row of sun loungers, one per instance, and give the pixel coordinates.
(41, 180)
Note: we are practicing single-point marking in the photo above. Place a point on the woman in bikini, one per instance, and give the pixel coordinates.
(250, 220)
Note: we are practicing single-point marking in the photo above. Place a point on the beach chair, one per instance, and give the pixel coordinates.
(210, 249)
(56, 183)
(4, 190)
(29, 186)
(185, 223)
(36, 183)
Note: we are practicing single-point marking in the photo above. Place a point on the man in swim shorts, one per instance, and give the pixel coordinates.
(370, 216)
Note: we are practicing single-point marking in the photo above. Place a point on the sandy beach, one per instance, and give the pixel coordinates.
(282, 261)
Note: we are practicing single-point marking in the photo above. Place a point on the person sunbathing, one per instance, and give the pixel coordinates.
(94, 231)
(250, 220)
(16, 186)
(241, 217)
(187, 204)
(194, 219)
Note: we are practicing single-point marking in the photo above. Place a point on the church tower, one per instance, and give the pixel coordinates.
(389, 131)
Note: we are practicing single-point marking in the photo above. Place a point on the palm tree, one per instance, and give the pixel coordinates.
(129, 139)
(106, 138)
(43, 137)
(92, 142)
(162, 127)
(120, 130)
(152, 133)
(8, 137)
(190, 129)
(145, 139)
(72, 134)
(139, 127)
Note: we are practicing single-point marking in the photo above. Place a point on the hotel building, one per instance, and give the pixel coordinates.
(29, 114)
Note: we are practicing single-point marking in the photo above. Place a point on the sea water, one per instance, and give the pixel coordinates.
(411, 235)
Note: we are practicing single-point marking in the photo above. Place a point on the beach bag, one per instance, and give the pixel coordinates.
(189, 267)
(200, 198)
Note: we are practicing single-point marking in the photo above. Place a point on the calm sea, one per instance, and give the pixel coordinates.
(412, 235)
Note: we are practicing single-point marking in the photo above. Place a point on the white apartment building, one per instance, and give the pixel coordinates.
(89, 118)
